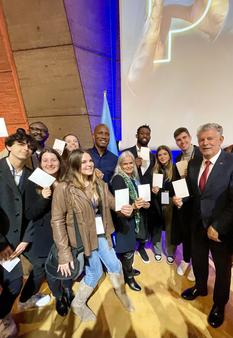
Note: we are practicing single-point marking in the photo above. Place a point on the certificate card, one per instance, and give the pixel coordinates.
(182, 167)
(59, 146)
(180, 188)
(3, 130)
(145, 153)
(41, 178)
(121, 198)
(157, 180)
(10, 264)
(144, 192)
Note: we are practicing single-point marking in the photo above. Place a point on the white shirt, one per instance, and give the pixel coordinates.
(212, 163)
(16, 175)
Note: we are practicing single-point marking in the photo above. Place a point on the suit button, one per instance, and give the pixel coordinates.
(16, 198)
(18, 214)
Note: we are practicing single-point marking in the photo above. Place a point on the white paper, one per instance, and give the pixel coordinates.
(121, 198)
(144, 192)
(157, 180)
(182, 167)
(41, 178)
(59, 146)
(10, 264)
(180, 188)
(3, 130)
(165, 197)
(99, 225)
(145, 153)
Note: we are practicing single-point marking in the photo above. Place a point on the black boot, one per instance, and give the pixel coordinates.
(133, 284)
(62, 306)
(69, 295)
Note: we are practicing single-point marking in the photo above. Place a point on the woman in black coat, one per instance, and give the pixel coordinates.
(38, 212)
(127, 227)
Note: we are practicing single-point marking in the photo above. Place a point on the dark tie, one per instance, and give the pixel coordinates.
(204, 176)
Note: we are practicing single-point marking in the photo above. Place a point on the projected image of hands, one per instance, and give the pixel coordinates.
(167, 20)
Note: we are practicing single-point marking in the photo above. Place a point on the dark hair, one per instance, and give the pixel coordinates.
(21, 137)
(61, 170)
(42, 124)
(180, 130)
(143, 126)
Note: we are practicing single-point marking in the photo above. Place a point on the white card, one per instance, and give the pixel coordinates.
(157, 180)
(41, 178)
(165, 197)
(99, 225)
(182, 168)
(145, 153)
(180, 188)
(10, 264)
(144, 192)
(3, 130)
(59, 146)
(121, 198)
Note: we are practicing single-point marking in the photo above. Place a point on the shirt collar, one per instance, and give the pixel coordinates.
(214, 158)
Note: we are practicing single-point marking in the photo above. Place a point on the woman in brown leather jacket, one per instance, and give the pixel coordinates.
(88, 197)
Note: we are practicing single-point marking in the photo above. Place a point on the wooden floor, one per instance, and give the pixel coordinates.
(160, 312)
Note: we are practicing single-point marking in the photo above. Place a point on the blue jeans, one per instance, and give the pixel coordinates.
(93, 266)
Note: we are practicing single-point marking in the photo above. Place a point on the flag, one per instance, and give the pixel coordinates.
(106, 119)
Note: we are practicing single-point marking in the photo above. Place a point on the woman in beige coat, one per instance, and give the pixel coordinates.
(88, 197)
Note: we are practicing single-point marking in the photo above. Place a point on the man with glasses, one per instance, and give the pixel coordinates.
(15, 235)
(39, 131)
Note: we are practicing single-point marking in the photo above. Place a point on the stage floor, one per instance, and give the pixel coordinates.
(159, 310)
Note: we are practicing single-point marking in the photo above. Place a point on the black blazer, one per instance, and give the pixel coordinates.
(13, 227)
(147, 177)
(211, 206)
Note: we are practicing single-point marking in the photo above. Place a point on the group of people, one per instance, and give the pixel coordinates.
(33, 218)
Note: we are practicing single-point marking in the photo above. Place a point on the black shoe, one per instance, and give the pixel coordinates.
(143, 254)
(136, 272)
(192, 293)
(133, 284)
(216, 316)
(61, 306)
(69, 295)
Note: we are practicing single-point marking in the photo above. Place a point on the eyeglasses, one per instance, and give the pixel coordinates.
(39, 130)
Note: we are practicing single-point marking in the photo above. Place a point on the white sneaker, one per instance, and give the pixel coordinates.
(191, 276)
(38, 300)
(183, 266)
(8, 327)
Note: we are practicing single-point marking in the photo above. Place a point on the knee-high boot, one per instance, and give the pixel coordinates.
(117, 280)
(127, 265)
(79, 305)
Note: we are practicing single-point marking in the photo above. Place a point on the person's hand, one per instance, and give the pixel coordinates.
(46, 192)
(177, 201)
(6, 253)
(127, 210)
(155, 190)
(99, 173)
(146, 205)
(139, 203)
(213, 234)
(19, 249)
(138, 161)
(65, 268)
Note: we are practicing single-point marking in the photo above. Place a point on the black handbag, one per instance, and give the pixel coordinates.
(51, 263)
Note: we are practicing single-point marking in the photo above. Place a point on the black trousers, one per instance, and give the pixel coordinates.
(126, 259)
(11, 290)
(201, 245)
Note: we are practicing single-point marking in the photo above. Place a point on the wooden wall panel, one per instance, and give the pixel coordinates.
(36, 23)
(49, 82)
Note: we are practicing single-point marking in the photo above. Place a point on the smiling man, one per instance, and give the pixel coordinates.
(105, 161)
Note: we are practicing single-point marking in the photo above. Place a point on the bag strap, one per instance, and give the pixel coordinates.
(77, 233)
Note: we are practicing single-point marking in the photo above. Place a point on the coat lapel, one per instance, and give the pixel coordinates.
(216, 172)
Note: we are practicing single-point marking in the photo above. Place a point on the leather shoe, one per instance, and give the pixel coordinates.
(216, 316)
(133, 284)
(136, 272)
(61, 306)
(192, 293)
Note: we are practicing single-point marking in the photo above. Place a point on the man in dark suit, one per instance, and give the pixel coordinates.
(39, 131)
(210, 183)
(14, 233)
(181, 229)
(145, 175)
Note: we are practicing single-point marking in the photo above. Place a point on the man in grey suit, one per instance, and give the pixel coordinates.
(14, 233)
(210, 181)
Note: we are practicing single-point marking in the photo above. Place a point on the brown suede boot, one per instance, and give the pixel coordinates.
(79, 305)
(117, 280)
